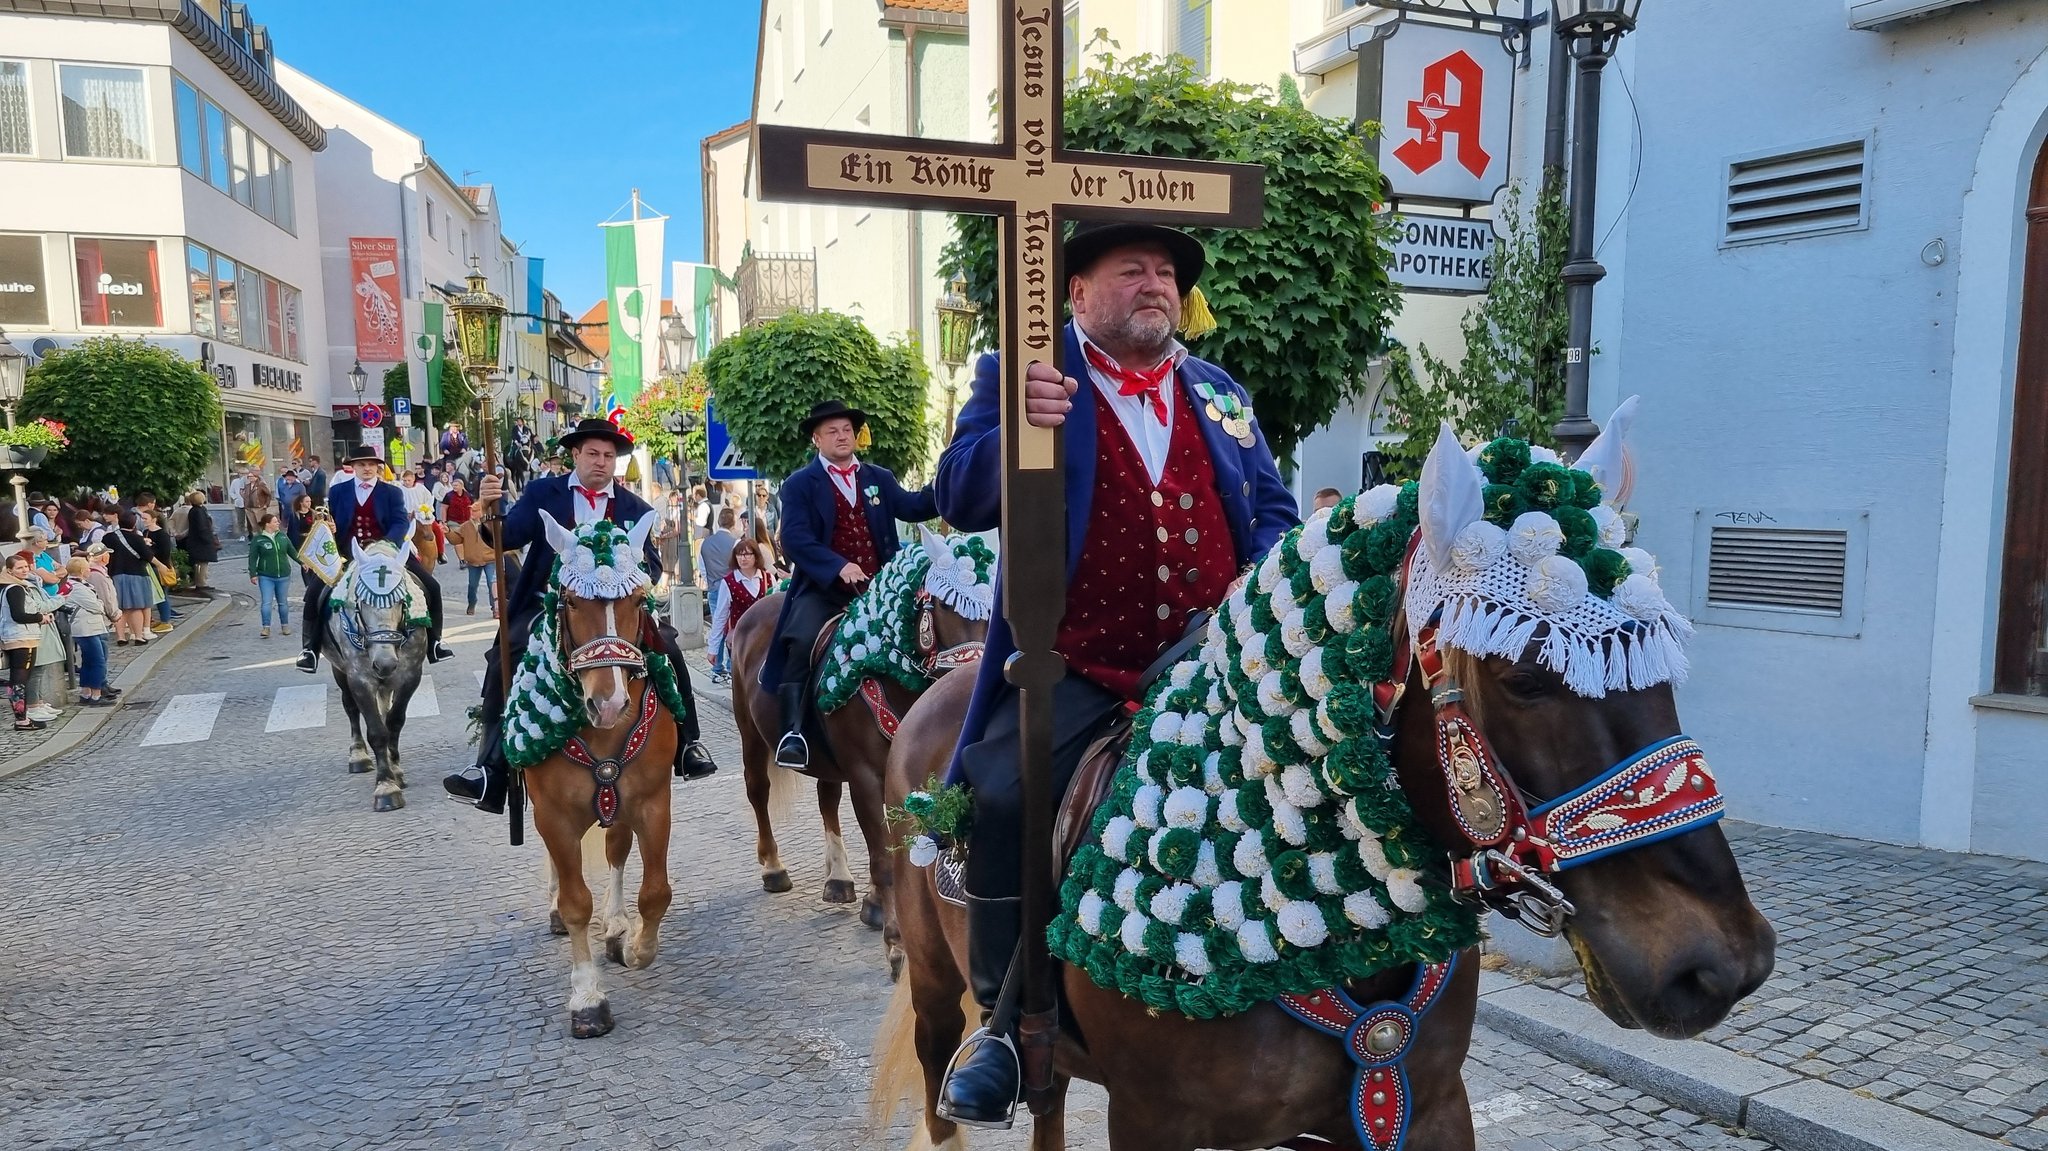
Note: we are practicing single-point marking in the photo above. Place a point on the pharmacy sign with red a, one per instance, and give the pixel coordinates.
(1447, 100)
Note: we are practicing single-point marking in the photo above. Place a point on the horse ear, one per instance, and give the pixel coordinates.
(559, 538)
(404, 552)
(355, 549)
(637, 534)
(934, 545)
(1606, 458)
(1450, 496)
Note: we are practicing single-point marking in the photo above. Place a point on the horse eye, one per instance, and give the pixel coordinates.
(1526, 681)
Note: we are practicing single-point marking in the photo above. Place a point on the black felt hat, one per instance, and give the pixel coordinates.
(832, 410)
(1094, 239)
(365, 454)
(591, 428)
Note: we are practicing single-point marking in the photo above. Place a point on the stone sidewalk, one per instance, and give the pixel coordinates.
(1905, 977)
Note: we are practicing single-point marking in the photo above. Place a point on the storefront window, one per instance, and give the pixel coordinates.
(199, 274)
(118, 285)
(227, 292)
(245, 445)
(106, 113)
(24, 295)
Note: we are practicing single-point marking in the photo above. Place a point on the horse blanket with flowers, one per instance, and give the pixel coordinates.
(544, 705)
(877, 636)
(1256, 842)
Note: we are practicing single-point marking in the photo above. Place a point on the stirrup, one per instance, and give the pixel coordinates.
(802, 758)
(981, 1034)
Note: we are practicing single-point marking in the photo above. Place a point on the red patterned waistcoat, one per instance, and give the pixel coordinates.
(851, 537)
(365, 527)
(739, 597)
(1152, 554)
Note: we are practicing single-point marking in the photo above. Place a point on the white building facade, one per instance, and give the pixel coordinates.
(158, 185)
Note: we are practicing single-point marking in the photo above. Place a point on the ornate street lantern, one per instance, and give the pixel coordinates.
(1596, 18)
(13, 373)
(956, 325)
(358, 379)
(678, 344)
(479, 318)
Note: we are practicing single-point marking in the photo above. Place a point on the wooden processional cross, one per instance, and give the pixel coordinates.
(1032, 184)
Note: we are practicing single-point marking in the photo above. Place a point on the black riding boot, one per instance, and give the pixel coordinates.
(982, 1084)
(794, 752)
(436, 650)
(313, 623)
(485, 783)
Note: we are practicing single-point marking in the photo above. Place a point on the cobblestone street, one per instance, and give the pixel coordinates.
(216, 944)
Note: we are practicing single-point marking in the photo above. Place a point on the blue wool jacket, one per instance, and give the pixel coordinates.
(810, 508)
(1256, 502)
(523, 528)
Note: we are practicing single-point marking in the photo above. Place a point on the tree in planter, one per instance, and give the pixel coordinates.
(138, 416)
(766, 379)
(1514, 347)
(1302, 304)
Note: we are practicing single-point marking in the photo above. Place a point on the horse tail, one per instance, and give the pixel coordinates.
(899, 1077)
(784, 786)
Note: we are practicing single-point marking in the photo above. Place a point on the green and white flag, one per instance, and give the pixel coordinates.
(632, 260)
(433, 345)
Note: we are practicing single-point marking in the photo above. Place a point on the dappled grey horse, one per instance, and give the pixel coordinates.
(377, 645)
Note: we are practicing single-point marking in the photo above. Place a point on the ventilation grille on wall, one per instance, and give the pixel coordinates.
(1804, 193)
(1777, 569)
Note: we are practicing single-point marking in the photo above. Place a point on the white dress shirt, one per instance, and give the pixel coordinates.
(845, 483)
(1151, 437)
(586, 513)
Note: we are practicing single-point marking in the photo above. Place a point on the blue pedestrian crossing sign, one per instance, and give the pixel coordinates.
(726, 461)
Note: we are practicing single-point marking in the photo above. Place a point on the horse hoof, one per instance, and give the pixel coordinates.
(871, 916)
(555, 924)
(362, 768)
(591, 1022)
(840, 891)
(615, 949)
(391, 802)
(776, 881)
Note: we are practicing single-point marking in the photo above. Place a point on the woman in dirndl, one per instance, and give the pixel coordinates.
(745, 585)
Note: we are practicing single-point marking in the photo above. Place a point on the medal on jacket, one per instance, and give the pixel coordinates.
(1229, 412)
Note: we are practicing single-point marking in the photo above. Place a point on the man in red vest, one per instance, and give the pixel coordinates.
(1171, 492)
(838, 529)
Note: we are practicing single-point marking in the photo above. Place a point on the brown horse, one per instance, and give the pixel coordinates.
(856, 739)
(614, 768)
(1666, 935)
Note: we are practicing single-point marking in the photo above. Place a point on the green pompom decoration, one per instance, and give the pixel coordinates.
(1252, 807)
(1546, 486)
(1581, 534)
(1503, 502)
(1386, 546)
(1375, 600)
(1503, 460)
(1159, 938)
(1179, 851)
(1262, 614)
(1291, 876)
(1605, 569)
(1408, 505)
(1351, 708)
(1585, 492)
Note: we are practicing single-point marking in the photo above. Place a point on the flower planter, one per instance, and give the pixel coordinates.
(15, 456)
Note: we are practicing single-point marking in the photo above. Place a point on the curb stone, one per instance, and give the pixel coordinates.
(1793, 1112)
(80, 727)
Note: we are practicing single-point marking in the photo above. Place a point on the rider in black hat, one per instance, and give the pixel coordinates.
(838, 529)
(365, 510)
(587, 494)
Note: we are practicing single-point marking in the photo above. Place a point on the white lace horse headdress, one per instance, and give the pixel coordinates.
(600, 560)
(962, 574)
(1518, 547)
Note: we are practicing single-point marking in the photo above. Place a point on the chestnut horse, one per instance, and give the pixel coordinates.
(586, 687)
(856, 744)
(1665, 932)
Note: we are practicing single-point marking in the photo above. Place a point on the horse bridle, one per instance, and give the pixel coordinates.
(607, 650)
(1511, 846)
(933, 661)
(360, 635)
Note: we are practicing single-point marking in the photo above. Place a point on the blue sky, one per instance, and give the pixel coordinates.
(565, 108)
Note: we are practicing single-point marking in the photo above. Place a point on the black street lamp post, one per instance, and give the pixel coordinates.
(1592, 28)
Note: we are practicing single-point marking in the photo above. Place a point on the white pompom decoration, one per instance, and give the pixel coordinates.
(1534, 536)
(1556, 584)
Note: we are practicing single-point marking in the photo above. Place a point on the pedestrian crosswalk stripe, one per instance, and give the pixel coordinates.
(298, 707)
(186, 719)
(426, 701)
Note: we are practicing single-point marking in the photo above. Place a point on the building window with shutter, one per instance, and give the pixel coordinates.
(1188, 24)
(2021, 664)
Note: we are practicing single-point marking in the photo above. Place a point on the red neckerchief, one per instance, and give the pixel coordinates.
(1134, 383)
